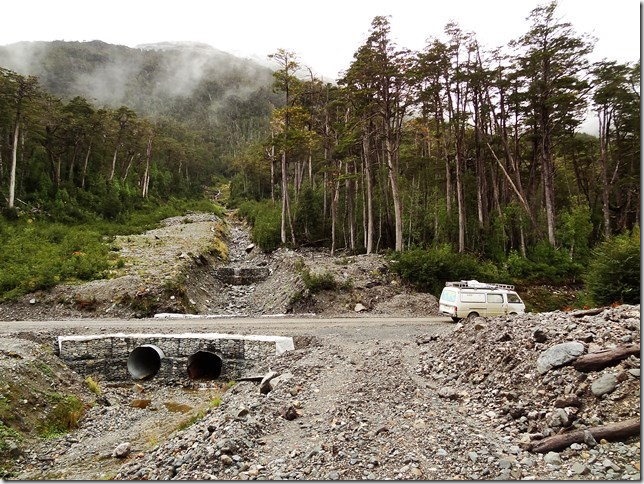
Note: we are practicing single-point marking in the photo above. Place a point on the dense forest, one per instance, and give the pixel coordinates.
(453, 156)
(93, 126)
(455, 149)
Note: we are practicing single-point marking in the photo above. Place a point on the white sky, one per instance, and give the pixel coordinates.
(323, 34)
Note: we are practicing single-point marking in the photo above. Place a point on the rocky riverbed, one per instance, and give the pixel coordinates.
(369, 398)
(461, 403)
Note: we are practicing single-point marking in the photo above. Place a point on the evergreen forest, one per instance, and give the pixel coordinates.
(461, 161)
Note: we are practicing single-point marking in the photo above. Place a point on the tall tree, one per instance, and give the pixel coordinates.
(379, 59)
(19, 91)
(552, 64)
(285, 81)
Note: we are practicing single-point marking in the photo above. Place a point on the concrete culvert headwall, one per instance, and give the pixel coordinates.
(166, 358)
(144, 361)
(204, 365)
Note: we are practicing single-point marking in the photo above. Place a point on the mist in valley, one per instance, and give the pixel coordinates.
(164, 79)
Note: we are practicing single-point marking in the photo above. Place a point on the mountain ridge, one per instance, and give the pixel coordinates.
(185, 80)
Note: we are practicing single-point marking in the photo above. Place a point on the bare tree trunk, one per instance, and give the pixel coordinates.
(395, 194)
(369, 192)
(284, 199)
(114, 163)
(89, 150)
(73, 163)
(334, 209)
(146, 174)
(129, 164)
(14, 162)
(460, 202)
(549, 193)
(604, 123)
(349, 194)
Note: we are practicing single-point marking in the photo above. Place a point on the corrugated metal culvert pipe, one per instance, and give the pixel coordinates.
(144, 361)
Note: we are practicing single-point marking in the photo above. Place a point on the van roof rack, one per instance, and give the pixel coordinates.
(474, 284)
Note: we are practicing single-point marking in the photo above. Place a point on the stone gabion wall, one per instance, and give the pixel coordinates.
(106, 357)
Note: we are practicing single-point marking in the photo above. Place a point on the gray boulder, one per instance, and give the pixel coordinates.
(604, 384)
(559, 355)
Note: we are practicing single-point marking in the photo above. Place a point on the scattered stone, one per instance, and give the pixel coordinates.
(226, 460)
(122, 450)
(604, 384)
(289, 413)
(559, 355)
(553, 458)
(265, 385)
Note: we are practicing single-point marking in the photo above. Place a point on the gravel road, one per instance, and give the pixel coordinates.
(371, 398)
(357, 328)
(376, 394)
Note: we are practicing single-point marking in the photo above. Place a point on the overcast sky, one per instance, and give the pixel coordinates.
(323, 34)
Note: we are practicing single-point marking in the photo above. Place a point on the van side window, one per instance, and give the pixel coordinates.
(495, 298)
(473, 297)
(513, 298)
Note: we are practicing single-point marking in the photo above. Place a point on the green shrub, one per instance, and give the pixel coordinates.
(265, 218)
(93, 385)
(429, 269)
(613, 273)
(65, 414)
(543, 264)
(7, 435)
(318, 282)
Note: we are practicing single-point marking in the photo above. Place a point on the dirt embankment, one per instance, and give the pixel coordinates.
(353, 401)
(179, 267)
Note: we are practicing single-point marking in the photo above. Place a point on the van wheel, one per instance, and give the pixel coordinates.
(513, 314)
(455, 319)
(472, 315)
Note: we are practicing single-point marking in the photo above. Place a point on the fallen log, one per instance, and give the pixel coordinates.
(605, 358)
(613, 431)
(587, 312)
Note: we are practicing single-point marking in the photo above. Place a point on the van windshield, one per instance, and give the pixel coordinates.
(448, 296)
(513, 298)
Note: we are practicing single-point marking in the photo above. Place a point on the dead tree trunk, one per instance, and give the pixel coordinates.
(605, 358)
(614, 431)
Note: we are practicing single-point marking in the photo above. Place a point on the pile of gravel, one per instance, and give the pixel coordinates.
(461, 404)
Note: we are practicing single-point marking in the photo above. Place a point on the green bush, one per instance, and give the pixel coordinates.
(613, 273)
(544, 264)
(66, 412)
(318, 282)
(429, 269)
(265, 218)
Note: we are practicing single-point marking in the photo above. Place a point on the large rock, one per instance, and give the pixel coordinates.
(559, 355)
(604, 384)
(122, 450)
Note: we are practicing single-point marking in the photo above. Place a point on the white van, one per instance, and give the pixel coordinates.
(466, 299)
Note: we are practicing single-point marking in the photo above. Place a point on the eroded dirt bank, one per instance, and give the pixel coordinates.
(178, 268)
(370, 397)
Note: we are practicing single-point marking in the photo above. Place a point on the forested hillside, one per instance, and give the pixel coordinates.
(163, 117)
(465, 161)
(92, 133)
(455, 149)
